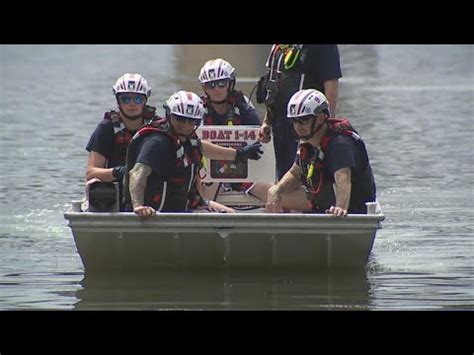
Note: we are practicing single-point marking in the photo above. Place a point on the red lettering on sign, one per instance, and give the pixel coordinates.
(249, 135)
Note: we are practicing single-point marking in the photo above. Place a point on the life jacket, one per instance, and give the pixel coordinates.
(122, 135)
(235, 100)
(312, 163)
(287, 72)
(177, 192)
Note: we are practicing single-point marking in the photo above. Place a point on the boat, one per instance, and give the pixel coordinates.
(249, 239)
(118, 241)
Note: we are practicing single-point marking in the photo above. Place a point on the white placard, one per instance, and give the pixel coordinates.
(262, 170)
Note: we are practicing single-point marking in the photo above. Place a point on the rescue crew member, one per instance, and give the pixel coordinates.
(165, 159)
(108, 144)
(331, 172)
(224, 106)
(293, 67)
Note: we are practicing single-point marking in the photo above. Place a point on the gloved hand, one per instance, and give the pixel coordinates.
(118, 172)
(252, 151)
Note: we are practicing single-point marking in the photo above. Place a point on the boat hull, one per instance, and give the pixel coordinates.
(123, 242)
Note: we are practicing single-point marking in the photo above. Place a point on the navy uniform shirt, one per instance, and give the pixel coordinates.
(244, 108)
(343, 152)
(102, 141)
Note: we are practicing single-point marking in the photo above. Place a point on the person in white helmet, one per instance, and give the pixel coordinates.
(293, 67)
(108, 144)
(164, 161)
(225, 106)
(331, 172)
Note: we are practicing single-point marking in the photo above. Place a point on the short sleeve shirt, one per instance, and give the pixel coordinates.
(102, 139)
(156, 151)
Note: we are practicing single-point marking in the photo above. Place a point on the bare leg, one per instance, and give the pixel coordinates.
(260, 189)
(296, 200)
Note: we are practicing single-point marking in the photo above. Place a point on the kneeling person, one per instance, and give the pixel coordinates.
(331, 173)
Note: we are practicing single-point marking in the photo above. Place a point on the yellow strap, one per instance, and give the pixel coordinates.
(310, 172)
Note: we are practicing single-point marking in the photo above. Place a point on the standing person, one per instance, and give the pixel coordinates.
(164, 161)
(225, 106)
(293, 67)
(331, 172)
(108, 144)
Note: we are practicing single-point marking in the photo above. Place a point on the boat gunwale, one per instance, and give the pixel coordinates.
(212, 221)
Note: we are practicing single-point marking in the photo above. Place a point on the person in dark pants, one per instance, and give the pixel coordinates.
(294, 67)
(331, 172)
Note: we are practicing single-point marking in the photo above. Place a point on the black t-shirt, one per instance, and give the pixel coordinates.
(244, 108)
(343, 152)
(322, 63)
(157, 151)
(102, 141)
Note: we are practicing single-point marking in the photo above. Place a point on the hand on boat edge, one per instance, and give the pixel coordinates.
(220, 208)
(144, 211)
(337, 211)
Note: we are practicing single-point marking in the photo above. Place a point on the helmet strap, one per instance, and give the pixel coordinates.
(313, 129)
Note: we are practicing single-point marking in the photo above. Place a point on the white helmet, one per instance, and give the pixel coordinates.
(132, 83)
(307, 102)
(185, 104)
(216, 69)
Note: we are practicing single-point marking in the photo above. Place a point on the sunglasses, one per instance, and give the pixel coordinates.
(302, 120)
(193, 121)
(222, 83)
(137, 99)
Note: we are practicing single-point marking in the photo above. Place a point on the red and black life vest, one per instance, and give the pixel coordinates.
(122, 135)
(312, 162)
(177, 192)
(233, 115)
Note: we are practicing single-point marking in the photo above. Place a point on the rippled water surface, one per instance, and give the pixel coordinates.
(413, 105)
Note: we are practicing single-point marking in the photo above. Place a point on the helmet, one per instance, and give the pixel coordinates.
(131, 83)
(307, 102)
(185, 104)
(216, 69)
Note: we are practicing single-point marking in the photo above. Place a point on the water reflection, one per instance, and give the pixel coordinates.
(224, 290)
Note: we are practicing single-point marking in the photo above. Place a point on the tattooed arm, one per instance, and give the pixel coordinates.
(137, 184)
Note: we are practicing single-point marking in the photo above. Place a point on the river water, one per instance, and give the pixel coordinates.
(413, 105)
